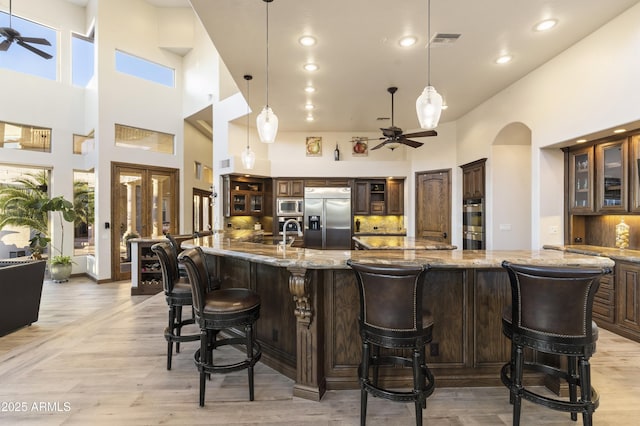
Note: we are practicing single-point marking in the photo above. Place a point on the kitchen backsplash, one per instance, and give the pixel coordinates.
(381, 224)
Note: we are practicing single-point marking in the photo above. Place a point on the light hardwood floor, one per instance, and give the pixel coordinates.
(97, 356)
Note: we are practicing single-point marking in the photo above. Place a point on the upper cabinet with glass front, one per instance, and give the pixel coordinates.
(634, 203)
(612, 172)
(581, 178)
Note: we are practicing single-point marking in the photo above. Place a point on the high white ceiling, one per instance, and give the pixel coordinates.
(359, 56)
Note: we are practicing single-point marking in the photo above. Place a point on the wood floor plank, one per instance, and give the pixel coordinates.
(97, 356)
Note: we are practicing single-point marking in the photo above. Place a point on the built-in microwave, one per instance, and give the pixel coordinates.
(290, 206)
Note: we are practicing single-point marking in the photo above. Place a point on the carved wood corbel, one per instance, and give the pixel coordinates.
(299, 288)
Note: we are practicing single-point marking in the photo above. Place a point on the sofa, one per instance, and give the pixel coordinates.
(20, 291)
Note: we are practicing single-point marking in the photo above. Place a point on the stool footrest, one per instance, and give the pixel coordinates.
(553, 403)
(171, 337)
(227, 368)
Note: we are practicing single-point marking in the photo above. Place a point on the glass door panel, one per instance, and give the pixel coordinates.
(635, 173)
(144, 204)
(612, 176)
(581, 180)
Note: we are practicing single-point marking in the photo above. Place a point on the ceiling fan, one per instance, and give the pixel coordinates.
(393, 135)
(10, 35)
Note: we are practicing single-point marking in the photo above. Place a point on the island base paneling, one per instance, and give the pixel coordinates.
(308, 325)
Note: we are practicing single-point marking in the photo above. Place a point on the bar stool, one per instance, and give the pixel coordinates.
(551, 313)
(177, 292)
(217, 310)
(391, 316)
(175, 249)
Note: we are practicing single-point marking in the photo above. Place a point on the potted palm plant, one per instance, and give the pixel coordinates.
(26, 203)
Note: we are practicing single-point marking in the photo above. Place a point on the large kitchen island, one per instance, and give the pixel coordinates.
(308, 323)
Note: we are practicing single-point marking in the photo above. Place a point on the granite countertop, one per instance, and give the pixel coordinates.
(401, 233)
(336, 259)
(612, 253)
(400, 243)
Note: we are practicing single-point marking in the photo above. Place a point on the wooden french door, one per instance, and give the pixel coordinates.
(144, 203)
(433, 205)
(202, 210)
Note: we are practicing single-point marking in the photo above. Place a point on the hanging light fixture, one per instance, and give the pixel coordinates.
(267, 121)
(248, 156)
(429, 103)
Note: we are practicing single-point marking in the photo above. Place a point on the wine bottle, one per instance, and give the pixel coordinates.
(336, 154)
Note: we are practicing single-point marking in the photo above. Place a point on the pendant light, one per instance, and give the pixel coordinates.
(248, 156)
(429, 103)
(267, 121)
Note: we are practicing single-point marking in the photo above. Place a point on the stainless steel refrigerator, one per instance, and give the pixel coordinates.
(327, 218)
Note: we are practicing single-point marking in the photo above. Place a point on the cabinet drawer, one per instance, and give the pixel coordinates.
(377, 207)
(603, 311)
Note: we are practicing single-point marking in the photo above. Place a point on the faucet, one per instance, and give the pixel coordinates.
(284, 230)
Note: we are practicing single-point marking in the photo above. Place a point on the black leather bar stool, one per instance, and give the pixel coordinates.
(551, 313)
(177, 292)
(217, 310)
(175, 249)
(391, 316)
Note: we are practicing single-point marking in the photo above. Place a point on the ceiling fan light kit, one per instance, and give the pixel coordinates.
(429, 103)
(248, 157)
(267, 121)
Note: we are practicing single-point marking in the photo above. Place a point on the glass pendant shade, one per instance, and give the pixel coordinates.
(267, 123)
(248, 158)
(429, 107)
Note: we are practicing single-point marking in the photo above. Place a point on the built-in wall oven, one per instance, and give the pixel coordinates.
(473, 225)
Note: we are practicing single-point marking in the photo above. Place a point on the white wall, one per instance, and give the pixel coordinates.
(200, 149)
(587, 88)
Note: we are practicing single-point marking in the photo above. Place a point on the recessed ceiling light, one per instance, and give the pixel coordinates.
(581, 141)
(504, 59)
(545, 25)
(308, 107)
(619, 130)
(310, 66)
(408, 41)
(309, 117)
(307, 40)
(309, 89)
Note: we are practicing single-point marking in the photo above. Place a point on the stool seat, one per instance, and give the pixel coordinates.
(181, 288)
(230, 301)
(551, 313)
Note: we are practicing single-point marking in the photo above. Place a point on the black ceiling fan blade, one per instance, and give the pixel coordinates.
(39, 52)
(5, 45)
(35, 40)
(422, 134)
(412, 144)
(380, 145)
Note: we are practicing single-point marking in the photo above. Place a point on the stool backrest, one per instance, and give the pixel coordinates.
(390, 296)
(195, 263)
(168, 265)
(553, 301)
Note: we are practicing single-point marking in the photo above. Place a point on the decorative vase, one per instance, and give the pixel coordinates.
(60, 272)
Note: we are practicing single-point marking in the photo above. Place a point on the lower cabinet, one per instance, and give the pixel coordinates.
(604, 301)
(628, 297)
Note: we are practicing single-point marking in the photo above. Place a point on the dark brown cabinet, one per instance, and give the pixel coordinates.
(245, 196)
(378, 197)
(395, 196)
(611, 174)
(604, 301)
(628, 296)
(289, 188)
(581, 180)
(473, 179)
(146, 277)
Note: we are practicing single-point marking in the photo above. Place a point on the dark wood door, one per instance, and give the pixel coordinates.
(433, 205)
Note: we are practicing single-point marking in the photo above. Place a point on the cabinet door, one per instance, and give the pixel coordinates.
(377, 197)
(297, 188)
(283, 188)
(634, 181)
(361, 198)
(611, 160)
(581, 180)
(478, 181)
(395, 197)
(604, 300)
(239, 203)
(628, 295)
(473, 179)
